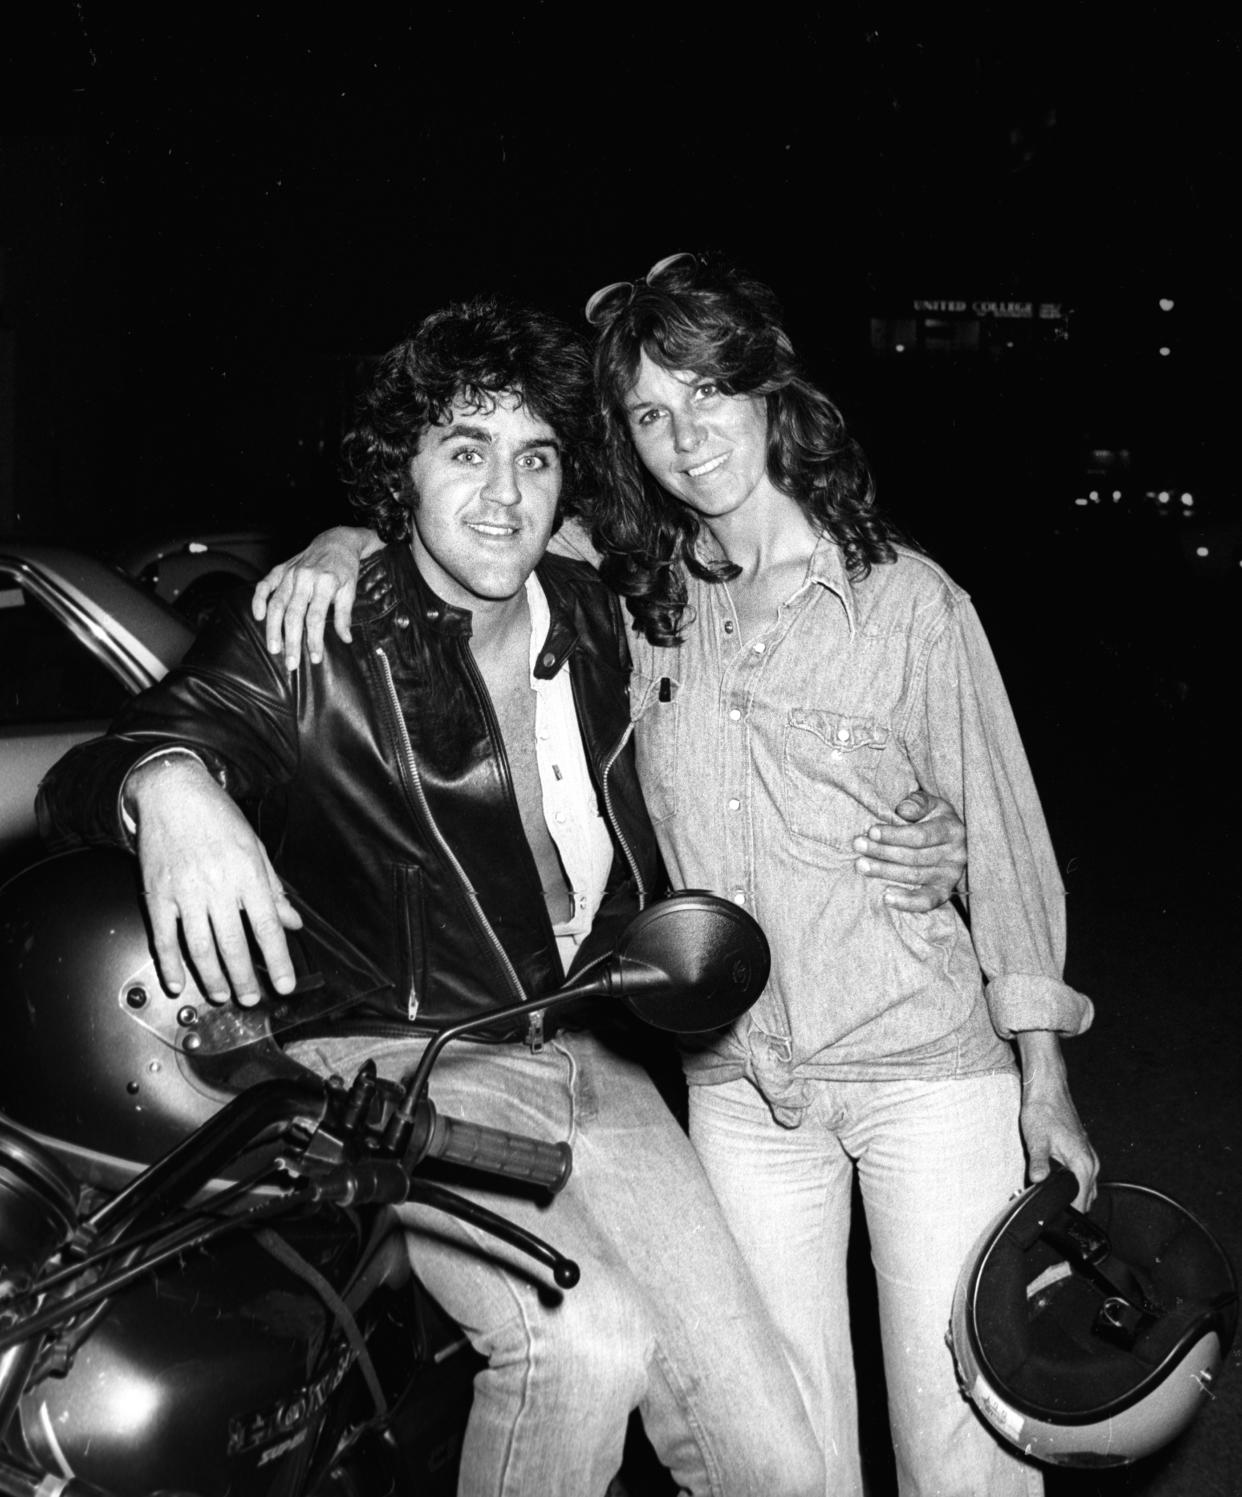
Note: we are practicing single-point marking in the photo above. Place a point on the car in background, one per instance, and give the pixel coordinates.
(77, 637)
(193, 572)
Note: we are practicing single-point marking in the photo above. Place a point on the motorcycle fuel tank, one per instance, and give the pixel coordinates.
(210, 1378)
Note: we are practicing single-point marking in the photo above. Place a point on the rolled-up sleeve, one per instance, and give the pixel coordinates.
(966, 743)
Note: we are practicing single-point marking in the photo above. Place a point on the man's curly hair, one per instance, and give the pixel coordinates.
(703, 315)
(471, 352)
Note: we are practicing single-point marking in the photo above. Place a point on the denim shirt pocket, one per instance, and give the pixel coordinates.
(829, 766)
(653, 709)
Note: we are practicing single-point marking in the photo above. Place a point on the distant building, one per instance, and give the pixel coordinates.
(957, 326)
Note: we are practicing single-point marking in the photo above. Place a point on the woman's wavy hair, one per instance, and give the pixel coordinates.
(472, 352)
(700, 314)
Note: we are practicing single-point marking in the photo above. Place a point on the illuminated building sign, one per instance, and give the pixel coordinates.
(1046, 311)
(955, 325)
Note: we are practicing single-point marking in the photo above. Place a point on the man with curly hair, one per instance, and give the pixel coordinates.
(454, 788)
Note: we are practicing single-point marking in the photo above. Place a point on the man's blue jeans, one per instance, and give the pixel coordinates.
(936, 1160)
(666, 1318)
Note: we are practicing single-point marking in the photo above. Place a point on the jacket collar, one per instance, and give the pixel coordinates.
(390, 583)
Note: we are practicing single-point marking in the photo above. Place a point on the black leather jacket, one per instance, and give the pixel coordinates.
(380, 785)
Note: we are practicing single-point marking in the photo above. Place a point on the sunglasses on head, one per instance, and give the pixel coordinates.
(609, 300)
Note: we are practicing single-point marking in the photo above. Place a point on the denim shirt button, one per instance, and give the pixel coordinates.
(728, 626)
(735, 716)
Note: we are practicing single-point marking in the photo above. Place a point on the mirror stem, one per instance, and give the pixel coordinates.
(631, 978)
(401, 1123)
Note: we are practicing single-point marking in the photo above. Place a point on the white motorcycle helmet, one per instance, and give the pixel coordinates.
(1092, 1340)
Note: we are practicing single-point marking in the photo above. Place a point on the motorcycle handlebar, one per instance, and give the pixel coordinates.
(435, 1136)
(513, 1155)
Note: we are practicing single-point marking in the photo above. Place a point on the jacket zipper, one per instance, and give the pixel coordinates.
(472, 899)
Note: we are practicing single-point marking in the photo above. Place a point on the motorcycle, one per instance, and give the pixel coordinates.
(202, 1291)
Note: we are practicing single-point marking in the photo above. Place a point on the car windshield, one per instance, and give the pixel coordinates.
(49, 674)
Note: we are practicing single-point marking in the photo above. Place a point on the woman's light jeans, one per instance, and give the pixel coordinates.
(666, 1318)
(936, 1160)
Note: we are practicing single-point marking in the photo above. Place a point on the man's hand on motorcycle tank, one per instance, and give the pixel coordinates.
(294, 598)
(203, 866)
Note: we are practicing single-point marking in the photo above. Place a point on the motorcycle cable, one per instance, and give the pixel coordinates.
(190, 1165)
(565, 1271)
(103, 1249)
(65, 1309)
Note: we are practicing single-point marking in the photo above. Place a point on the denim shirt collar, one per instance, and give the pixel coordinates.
(827, 568)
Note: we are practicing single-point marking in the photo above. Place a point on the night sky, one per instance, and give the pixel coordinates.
(209, 213)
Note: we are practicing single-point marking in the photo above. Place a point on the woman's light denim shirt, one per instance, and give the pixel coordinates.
(762, 761)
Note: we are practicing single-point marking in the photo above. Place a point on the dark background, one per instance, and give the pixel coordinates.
(211, 216)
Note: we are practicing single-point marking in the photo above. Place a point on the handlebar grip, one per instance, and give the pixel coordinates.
(510, 1154)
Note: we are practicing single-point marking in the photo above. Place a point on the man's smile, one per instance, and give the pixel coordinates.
(487, 527)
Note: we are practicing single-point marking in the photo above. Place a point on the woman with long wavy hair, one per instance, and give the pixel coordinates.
(797, 670)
